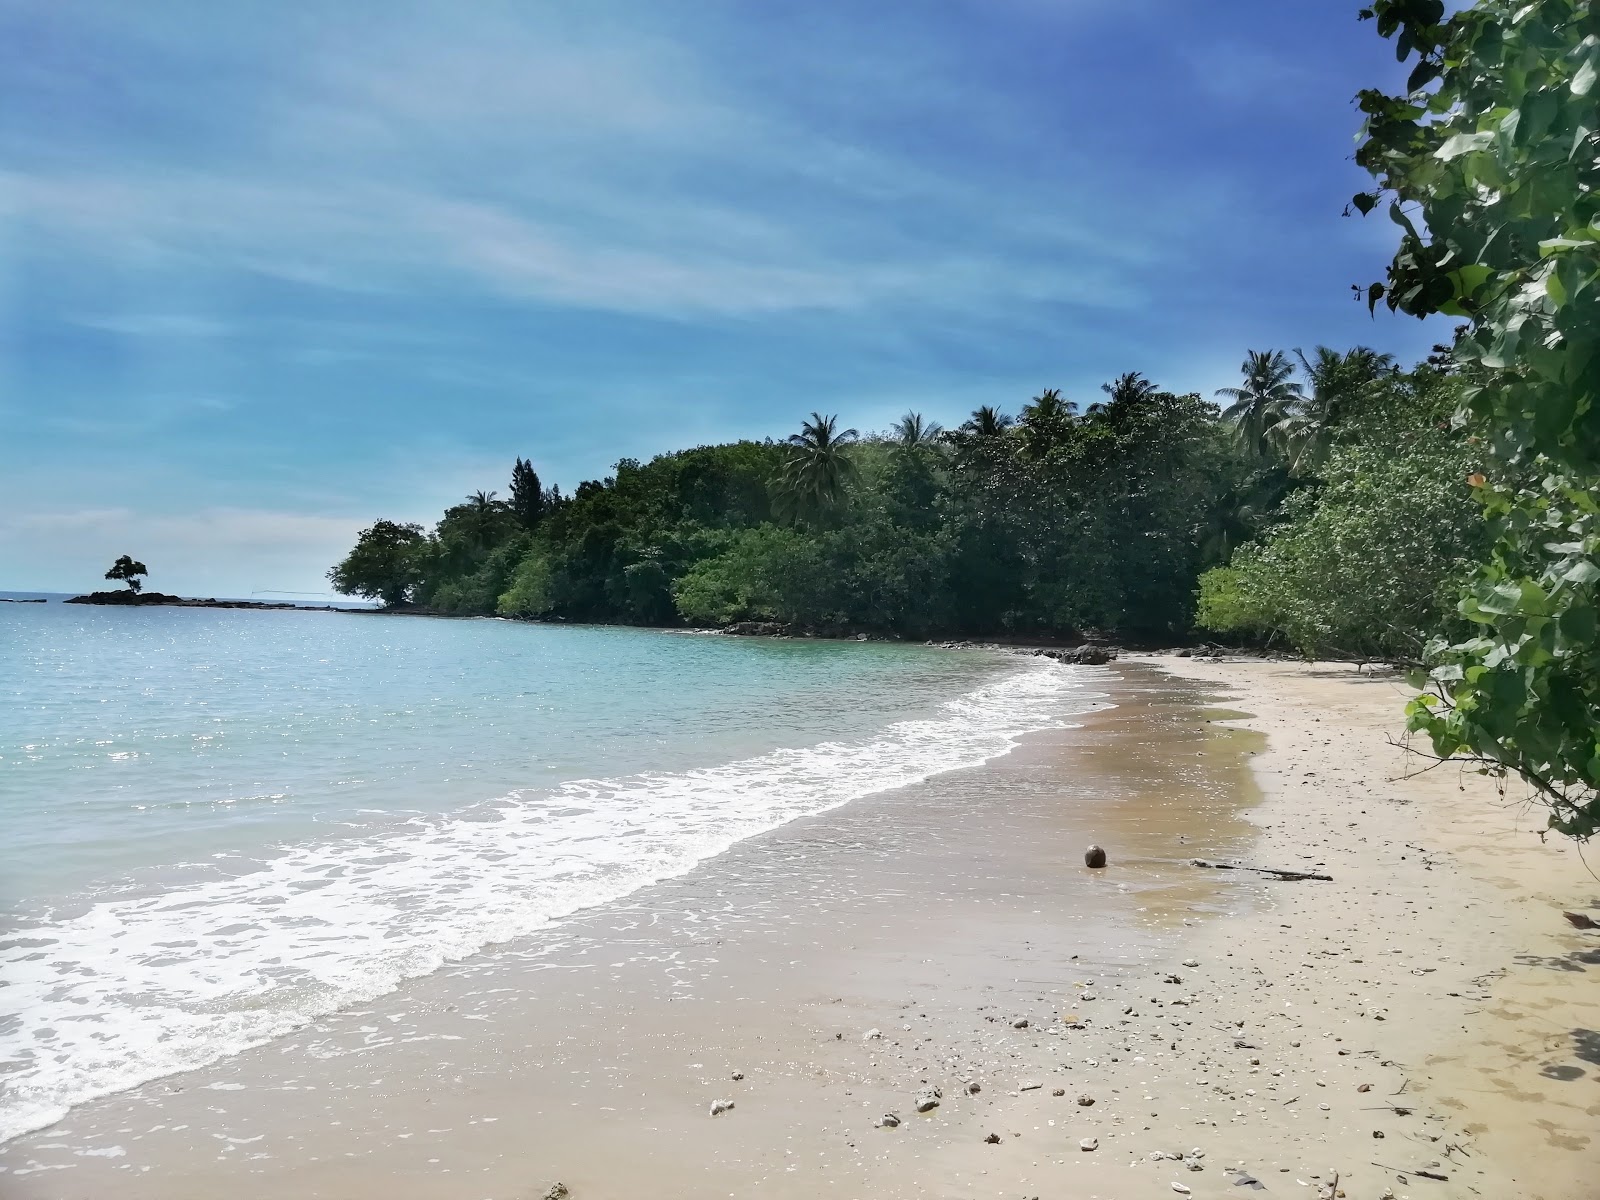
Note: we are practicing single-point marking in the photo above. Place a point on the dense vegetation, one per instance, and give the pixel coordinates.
(1053, 523)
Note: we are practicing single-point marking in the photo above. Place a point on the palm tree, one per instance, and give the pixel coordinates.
(1125, 389)
(987, 421)
(485, 513)
(1306, 429)
(812, 482)
(1044, 421)
(911, 431)
(1267, 396)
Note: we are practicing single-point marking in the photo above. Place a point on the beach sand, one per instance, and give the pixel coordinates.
(1435, 970)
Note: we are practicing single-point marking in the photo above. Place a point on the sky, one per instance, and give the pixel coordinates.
(269, 272)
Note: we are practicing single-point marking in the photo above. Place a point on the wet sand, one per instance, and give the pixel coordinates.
(942, 916)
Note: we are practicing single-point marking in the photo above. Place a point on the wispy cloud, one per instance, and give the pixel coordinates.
(156, 325)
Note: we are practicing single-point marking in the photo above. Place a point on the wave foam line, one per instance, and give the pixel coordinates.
(135, 989)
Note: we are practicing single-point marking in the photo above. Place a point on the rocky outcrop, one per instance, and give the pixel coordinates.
(757, 629)
(140, 599)
(1083, 656)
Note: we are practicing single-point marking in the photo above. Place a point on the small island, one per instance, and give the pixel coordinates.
(130, 570)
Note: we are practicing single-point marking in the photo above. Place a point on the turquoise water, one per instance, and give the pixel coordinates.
(223, 824)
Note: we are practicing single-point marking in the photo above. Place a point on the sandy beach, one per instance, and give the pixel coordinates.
(1151, 1029)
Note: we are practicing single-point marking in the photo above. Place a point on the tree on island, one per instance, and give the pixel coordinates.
(127, 570)
(386, 563)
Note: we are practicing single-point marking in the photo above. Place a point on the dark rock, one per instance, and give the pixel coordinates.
(1083, 656)
(1095, 857)
(757, 629)
(993, 1139)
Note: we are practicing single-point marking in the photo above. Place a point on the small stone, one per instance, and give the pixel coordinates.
(1089, 1143)
(1191, 962)
(974, 1088)
(1181, 1189)
(1173, 979)
(888, 1121)
(993, 1139)
(558, 1191)
(1086, 1100)
(1020, 1023)
(718, 1107)
(738, 1075)
(1365, 1087)
(1377, 1133)
(872, 1035)
(1059, 1092)
(1094, 857)
(927, 1100)
(1324, 1107)
(1087, 996)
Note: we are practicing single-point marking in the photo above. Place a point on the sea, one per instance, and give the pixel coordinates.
(220, 825)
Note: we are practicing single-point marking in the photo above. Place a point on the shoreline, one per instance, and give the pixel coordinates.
(939, 915)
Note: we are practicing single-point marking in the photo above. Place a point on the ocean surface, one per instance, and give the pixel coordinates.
(220, 825)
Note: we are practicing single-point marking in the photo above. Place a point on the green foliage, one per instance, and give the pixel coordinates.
(1364, 565)
(386, 564)
(530, 592)
(1490, 164)
(127, 570)
(1227, 605)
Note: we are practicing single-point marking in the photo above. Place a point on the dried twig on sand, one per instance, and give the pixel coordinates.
(1275, 871)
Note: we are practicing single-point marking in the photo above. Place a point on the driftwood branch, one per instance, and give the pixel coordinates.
(1274, 871)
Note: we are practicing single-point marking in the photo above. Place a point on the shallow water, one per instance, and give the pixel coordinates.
(224, 824)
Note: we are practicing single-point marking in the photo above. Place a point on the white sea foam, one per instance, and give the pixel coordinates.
(134, 989)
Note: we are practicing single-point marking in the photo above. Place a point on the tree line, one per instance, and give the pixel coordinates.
(1061, 520)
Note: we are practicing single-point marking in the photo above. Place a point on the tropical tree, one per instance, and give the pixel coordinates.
(127, 570)
(1045, 422)
(485, 516)
(1267, 395)
(811, 484)
(1128, 389)
(911, 431)
(987, 422)
(1337, 379)
(386, 563)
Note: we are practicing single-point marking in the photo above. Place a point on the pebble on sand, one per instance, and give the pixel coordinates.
(718, 1107)
(888, 1121)
(1094, 856)
(1089, 1143)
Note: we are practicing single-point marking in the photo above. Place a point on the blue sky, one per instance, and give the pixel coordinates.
(268, 271)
